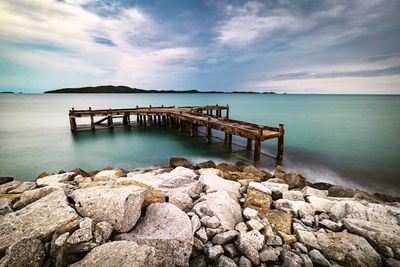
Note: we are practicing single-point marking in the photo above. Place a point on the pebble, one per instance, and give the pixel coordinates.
(245, 262)
(214, 252)
(318, 259)
(225, 237)
(254, 224)
(241, 227)
(224, 261)
(249, 213)
(202, 235)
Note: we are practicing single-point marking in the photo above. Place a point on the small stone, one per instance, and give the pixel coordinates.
(249, 213)
(300, 247)
(198, 261)
(291, 259)
(5, 206)
(241, 227)
(202, 235)
(212, 232)
(196, 224)
(214, 252)
(307, 261)
(254, 224)
(331, 225)
(83, 234)
(254, 238)
(287, 239)
(62, 239)
(230, 250)
(249, 251)
(245, 262)
(319, 259)
(102, 232)
(224, 261)
(197, 244)
(274, 241)
(225, 237)
(181, 200)
(213, 222)
(269, 254)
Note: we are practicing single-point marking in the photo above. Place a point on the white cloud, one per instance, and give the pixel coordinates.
(71, 30)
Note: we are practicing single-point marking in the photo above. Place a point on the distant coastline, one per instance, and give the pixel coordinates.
(107, 89)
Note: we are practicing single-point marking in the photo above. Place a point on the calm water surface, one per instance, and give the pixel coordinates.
(350, 140)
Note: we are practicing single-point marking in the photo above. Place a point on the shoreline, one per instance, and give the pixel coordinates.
(181, 214)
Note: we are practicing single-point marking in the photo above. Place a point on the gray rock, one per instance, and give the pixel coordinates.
(5, 206)
(245, 262)
(274, 241)
(341, 191)
(368, 212)
(181, 200)
(309, 191)
(224, 261)
(392, 262)
(269, 254)
(24, 186)
(213, 252)
(38, 220)
(249, 213)
(300, 247)
(306, 260)
(83, 234)
(55, 179)
(168, 230)
(241, 227)
(253, 237)
(318, 259)
(293, 195)
(62, 239)
(212, 232)
(202, 234)
(195, 221)
(31, 196)
(320, 204)
(5, 188)
(254, 224)
(213, 222)
(333, 226)
(24, 253)
(308, 239)
(376, 233)
(214, 183)
(249, 251)
(123, 205)
(221, 205)
(347, 249)
(277, 189)
(259, 187)
(198, 261)
(197, 244)
(102, 232)
(291, 259)
(225, 237)
(119, 254)
(294, 206)
(230, 250)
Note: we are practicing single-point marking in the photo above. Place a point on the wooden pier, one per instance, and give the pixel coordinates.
(211, 117)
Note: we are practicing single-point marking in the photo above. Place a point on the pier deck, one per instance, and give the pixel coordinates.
(212, 117)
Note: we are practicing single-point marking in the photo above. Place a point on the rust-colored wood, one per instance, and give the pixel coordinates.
(229, 144)
(208, 135)
(279, 155)
(257, 150)
(249, 144)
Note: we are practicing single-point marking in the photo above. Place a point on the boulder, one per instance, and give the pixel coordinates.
(331, 225)
(310, 191)
(102, 232)
(239, 165)
(224, 261)
(6, 179)
(253, 170)
(320, 185)
(269, 254)
(221, 205)
(279, 220)
(38, 220)
(347, 249)
(24, 186)
(81, 172)
(224, 167)
(5, 188)
(179, 162)
(377, 234)
(55, 179)
(293, 195)
(206, 165)
(295, 180)
(279, 172)
(370, 212)
(318, 259)
(44, 174)
(224, 237)
(294, 206)
(120, 206)
(5, 206)
(320, 204)
(341, 191)
(26, 252)
(213, 183)
(152, 195)
(180, 172)
(258, 197)
(107, 175)
(181, 200)
(276, 188)
(83, 234)
(291, 259)
(119, 254)
(31, 196)
(168, 230)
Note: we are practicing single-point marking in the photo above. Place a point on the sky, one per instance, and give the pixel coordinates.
(335, 46)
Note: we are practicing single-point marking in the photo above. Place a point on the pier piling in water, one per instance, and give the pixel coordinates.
(211, 117)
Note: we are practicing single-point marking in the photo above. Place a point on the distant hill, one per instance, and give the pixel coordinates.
(106, 89)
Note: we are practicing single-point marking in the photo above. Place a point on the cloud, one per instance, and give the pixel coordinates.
(106, 49)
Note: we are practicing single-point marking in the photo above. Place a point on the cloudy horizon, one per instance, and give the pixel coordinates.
(345, 47)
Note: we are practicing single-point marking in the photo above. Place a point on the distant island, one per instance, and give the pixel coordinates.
(106, 89)
(7, 92)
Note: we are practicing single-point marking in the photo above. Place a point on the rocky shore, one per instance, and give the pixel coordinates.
(202, 215)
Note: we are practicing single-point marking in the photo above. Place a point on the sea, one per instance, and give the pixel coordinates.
(351, 140)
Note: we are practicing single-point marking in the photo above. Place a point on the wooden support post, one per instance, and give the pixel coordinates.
(137, 119)
(72, 122)
(192, 130)
(279, 155)
(249, 144)
(92, 126)
(208, 134)
(227, 112)
(229, 143)
(226, 138)
(149, 118)
(110, 120)
(179, 125)
(257, 150)
(159, 119)
(144, 120)
(128, 119)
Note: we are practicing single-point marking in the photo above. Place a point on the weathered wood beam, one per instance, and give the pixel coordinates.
(249, 144)
(280, 142)
(257, 150)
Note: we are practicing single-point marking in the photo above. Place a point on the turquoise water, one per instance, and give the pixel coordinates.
(344, 139)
